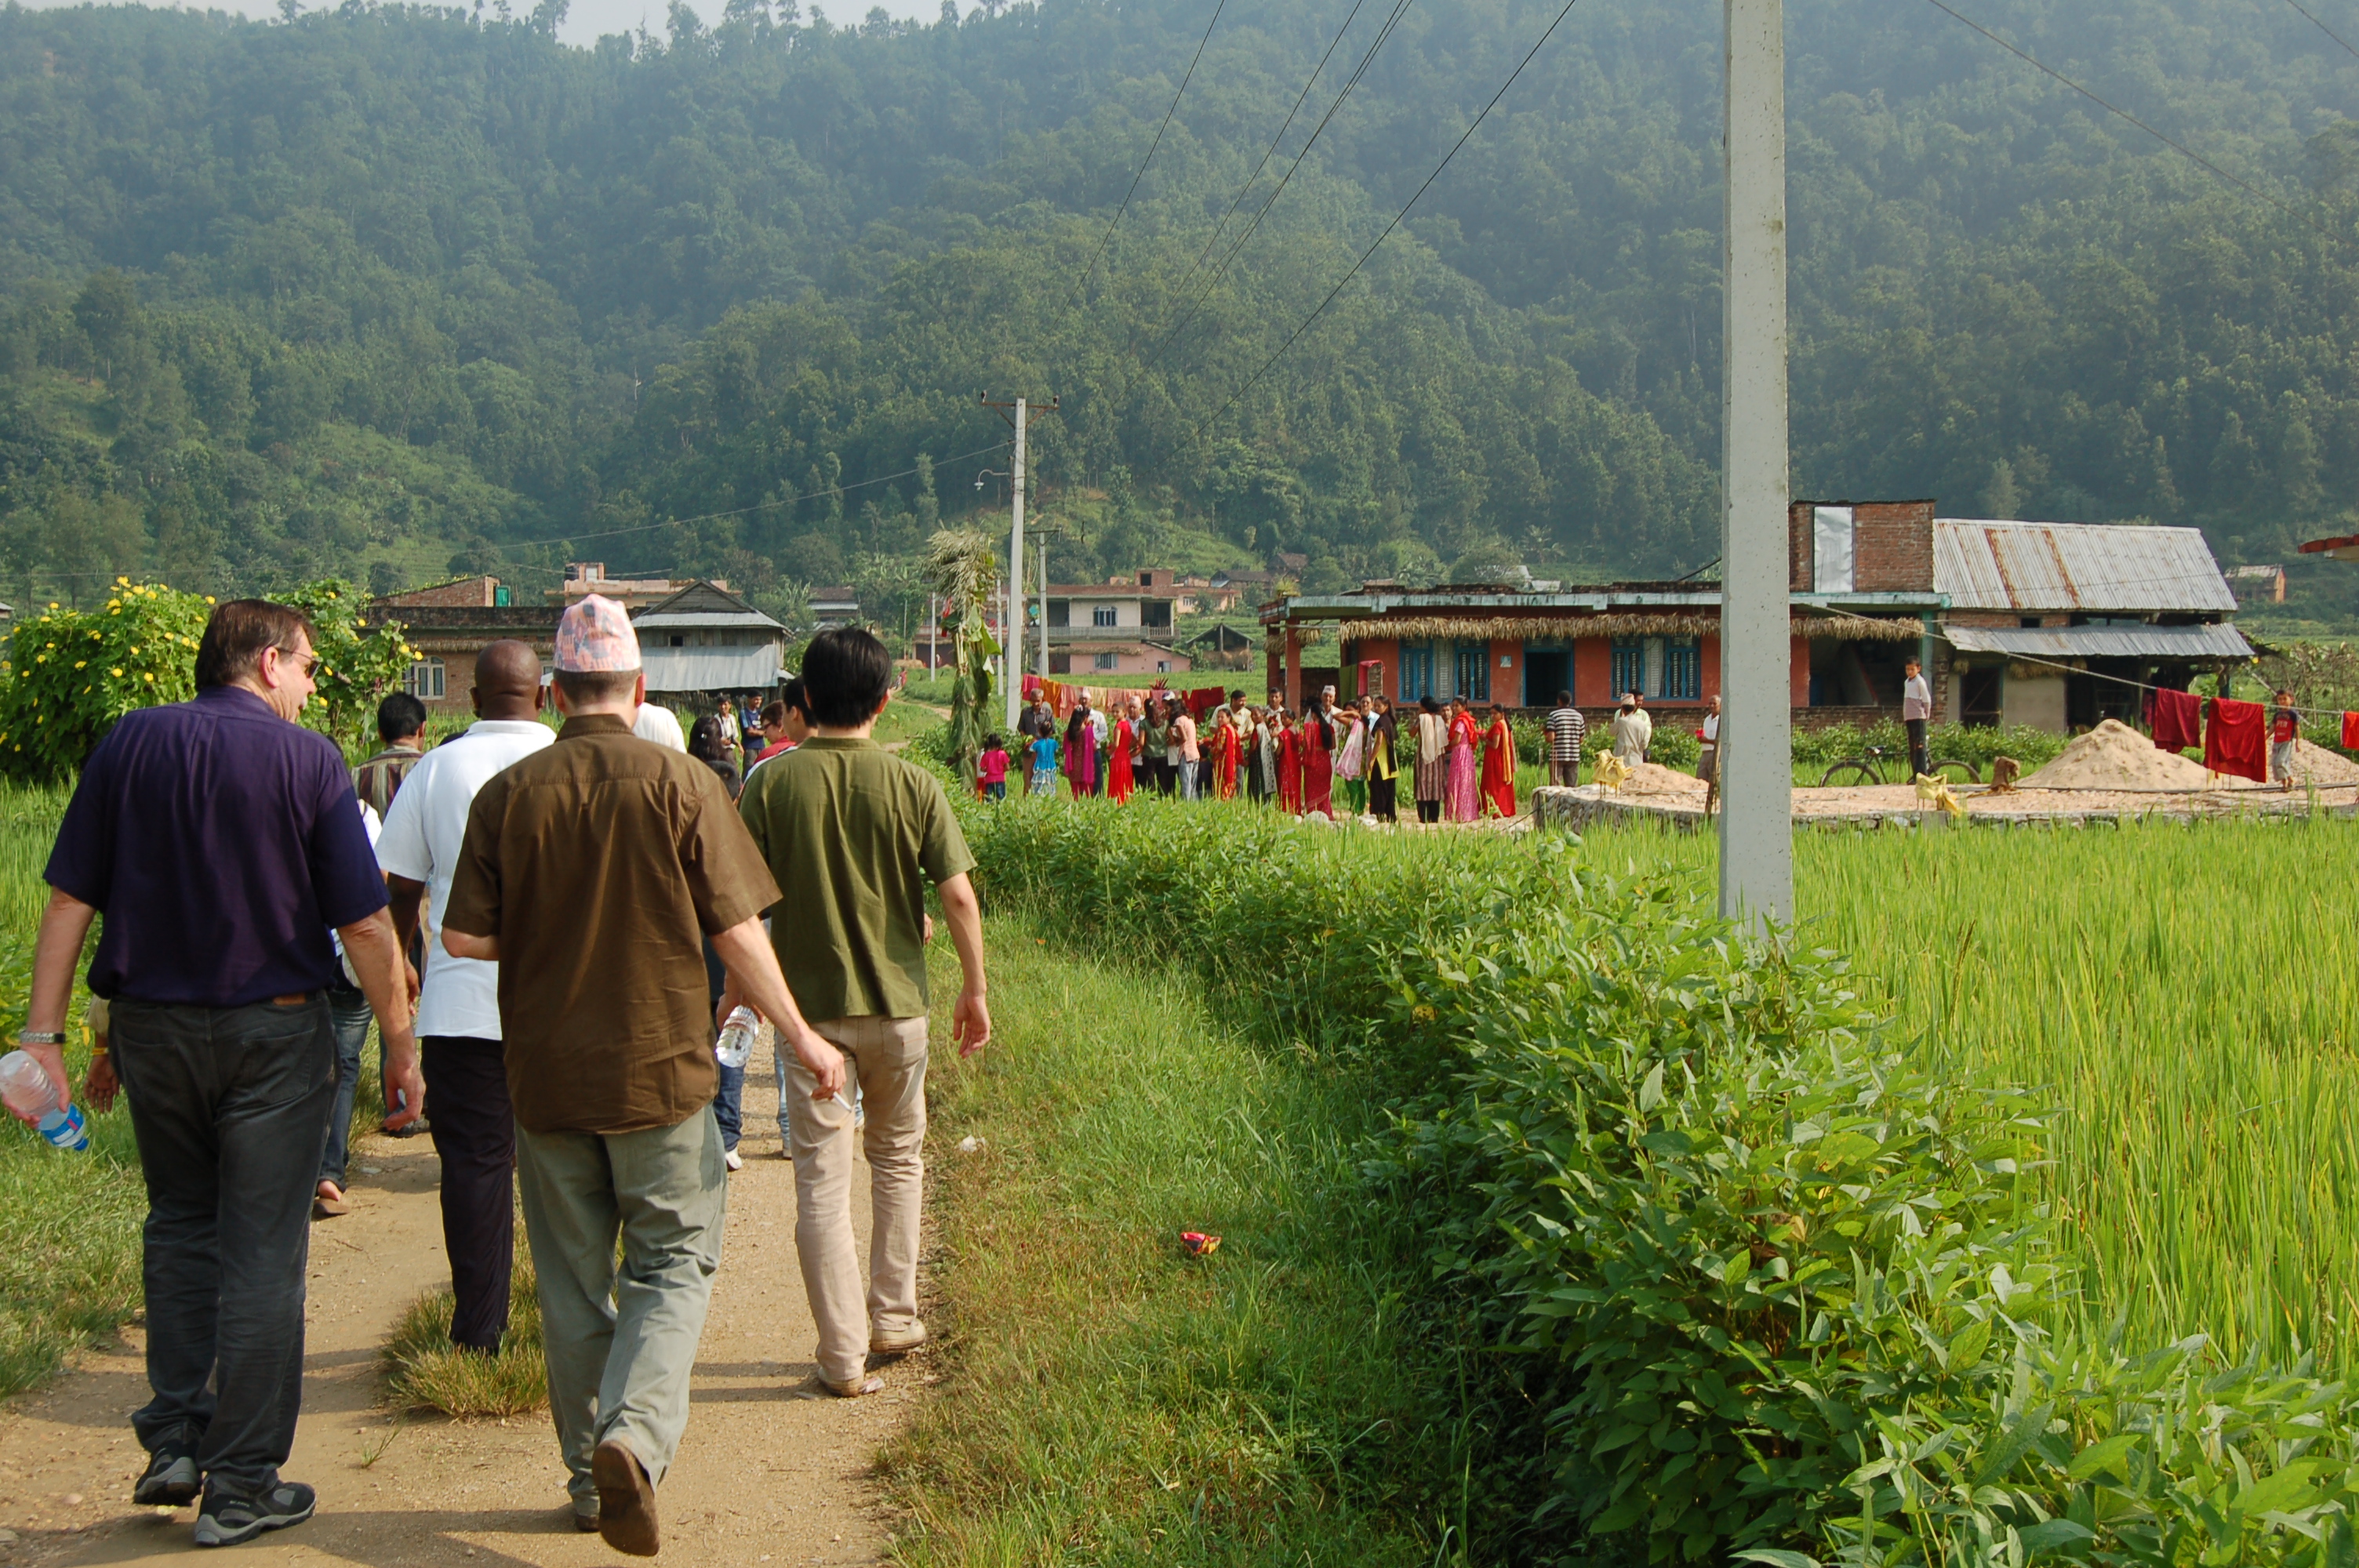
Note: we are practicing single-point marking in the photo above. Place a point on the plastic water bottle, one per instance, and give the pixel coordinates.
(29, 1092)
(736, 1042)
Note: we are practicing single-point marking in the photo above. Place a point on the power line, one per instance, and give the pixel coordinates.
(2175, 145)
(741, 511)
(1396, 223)
(1149, 159)
(2322, 27)
(1220, 228)
(1399, 9)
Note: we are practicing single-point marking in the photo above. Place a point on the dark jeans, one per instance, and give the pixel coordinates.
(230, 1108)
(729, 1105)
(1920, 759)
(475, 1134)
(350, 1010)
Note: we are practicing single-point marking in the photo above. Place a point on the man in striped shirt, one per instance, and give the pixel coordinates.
(1566, 730)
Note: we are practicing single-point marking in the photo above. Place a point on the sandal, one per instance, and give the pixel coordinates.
(326, 1207)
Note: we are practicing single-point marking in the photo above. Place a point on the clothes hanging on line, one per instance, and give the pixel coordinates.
(2236, 740)
(2178, 718)
(2351, 732)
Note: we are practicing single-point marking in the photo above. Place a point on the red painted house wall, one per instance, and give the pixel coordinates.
(1593, 671)
(1385, 649)
(1508, 679)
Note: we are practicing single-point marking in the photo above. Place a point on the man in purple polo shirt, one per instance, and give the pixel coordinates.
(221, 840)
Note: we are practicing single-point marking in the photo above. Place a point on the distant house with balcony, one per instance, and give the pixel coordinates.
(1113, 629)
(2041, 624)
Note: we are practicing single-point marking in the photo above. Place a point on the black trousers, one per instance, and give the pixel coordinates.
(1428, 811)
(230, 1110)
(474, 1133)
(1380, 798)
(1920, 759)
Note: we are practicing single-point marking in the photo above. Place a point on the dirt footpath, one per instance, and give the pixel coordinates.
(770, 1471)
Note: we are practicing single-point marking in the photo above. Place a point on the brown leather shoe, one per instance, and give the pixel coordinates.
(626, 1501)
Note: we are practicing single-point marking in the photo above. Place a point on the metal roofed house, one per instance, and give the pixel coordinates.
(1871, 585)
(704, 639)
(2040, 614)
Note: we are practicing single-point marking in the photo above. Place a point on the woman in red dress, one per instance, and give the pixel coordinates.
(1289, 765)
(1499, 764)
(1319, 762)
(1118, 779)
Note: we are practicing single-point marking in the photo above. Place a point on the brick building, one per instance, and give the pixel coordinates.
(450, 622)
(2016, 623)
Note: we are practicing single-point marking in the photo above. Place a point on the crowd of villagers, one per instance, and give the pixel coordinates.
(1328, 759)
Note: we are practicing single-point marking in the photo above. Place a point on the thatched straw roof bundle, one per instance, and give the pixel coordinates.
(1546, 628)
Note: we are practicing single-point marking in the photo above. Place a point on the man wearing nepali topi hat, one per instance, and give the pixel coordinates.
(592, 872)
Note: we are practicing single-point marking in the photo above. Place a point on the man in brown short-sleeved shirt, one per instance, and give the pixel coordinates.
(592, 873)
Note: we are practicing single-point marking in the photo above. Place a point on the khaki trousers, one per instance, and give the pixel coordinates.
(886, 1056)
(621, 1342)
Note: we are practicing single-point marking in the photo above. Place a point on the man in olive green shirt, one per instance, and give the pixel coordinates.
(852, 835)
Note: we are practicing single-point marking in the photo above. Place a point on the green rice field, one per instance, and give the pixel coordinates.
(2187, 999)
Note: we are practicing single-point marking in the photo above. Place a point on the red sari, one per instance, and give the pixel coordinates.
(1460, 800)
(1118, 784)
(1224, 750)
(1499, 768)
(1290, 771)
(1317, 771)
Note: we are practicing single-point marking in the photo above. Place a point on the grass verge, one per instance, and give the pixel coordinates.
(1109, 1397)
(424, 1369)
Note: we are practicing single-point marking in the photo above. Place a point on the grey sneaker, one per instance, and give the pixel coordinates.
(171, 1480)
(226, 1520)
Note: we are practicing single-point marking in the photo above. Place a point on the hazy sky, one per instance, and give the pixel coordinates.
(588, 20)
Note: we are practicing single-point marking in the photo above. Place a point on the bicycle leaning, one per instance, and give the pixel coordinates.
(1886, 765)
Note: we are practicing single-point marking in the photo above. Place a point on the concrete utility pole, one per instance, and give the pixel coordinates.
(1012, 645)
(1756, 827)
(1043, 546)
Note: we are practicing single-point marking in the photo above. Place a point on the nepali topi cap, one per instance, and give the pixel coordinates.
(594, 636)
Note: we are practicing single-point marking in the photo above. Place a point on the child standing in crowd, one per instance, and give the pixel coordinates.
(2285, 725)
(1044, 763)
(991, 768)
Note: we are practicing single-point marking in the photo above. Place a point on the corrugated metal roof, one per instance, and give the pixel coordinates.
(710, 669)
(2221, 641)
(2096, 567)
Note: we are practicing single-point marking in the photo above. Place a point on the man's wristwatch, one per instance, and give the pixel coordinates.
(39, 1037)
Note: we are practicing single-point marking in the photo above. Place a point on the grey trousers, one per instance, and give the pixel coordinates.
(621, 1342)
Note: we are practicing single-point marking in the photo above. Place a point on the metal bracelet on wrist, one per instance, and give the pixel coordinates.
(39, 1037)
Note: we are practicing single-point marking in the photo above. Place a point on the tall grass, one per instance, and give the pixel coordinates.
(69, 1223)
(2189, 997)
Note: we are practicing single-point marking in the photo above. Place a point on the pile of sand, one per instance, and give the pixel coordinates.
(2114, 756)
(1653, 778)
(2317, 765)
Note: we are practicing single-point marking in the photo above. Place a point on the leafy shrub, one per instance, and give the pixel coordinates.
(72, 674)
(1749, 1281)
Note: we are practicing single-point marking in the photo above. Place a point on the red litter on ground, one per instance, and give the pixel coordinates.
(1198, 1244)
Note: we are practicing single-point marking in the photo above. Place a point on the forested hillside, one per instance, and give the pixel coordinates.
(391, 289)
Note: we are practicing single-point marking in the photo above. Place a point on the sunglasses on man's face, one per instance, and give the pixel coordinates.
(304, 662)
